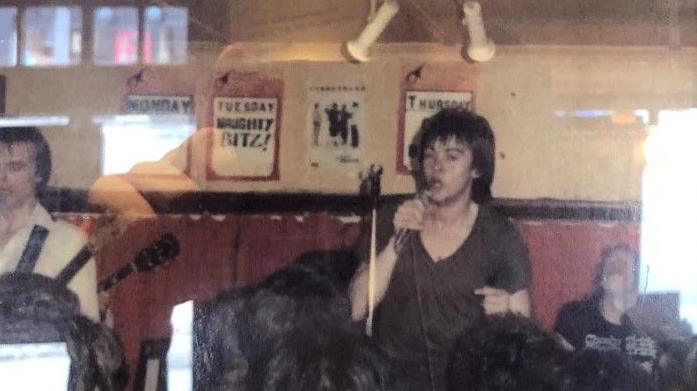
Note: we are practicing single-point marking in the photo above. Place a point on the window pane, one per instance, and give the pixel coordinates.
(52, 36)
(50, 359)
(8, 36)
(668, 201)
(132, 139)
(165, 35)
(115, 35)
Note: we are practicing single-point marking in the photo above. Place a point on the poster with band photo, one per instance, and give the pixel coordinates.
(335, 122)
(418, 105)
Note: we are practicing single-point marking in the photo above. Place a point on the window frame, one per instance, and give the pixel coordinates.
(88, 9)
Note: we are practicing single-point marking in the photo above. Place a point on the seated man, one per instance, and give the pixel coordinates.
(30, 240)
(599, 322)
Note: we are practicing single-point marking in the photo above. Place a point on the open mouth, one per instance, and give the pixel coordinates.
(435, 184)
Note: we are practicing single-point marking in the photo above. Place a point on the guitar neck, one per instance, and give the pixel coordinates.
(115, 277)
(160, 251)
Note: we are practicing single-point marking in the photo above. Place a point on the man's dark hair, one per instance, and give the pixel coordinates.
(37, 309)
(32, 135)
(240, 332)
(506, 353)
(219, 328)
(330, 359)
(471, 130)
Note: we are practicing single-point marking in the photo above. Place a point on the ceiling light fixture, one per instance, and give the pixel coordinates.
(480, 48)
(359, 48)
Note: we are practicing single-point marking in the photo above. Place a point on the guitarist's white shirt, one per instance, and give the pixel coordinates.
(62, 244)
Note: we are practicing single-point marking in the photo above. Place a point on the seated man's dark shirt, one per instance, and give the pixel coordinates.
(582, 325)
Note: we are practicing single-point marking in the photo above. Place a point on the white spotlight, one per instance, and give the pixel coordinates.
(480, 48)
(359, 48)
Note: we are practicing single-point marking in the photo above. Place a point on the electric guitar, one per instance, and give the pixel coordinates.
(160, 252)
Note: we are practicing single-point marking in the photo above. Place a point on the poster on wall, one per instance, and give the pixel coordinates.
(246, 146)
(335, 122)
(157, 117)
(245, 115)
(417, 106)
(159, 104)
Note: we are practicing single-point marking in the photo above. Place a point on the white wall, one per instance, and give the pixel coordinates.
(540, 155)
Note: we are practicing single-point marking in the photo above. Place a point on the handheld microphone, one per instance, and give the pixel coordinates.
(401, 234)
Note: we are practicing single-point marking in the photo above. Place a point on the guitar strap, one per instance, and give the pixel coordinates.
(31, 252)
(30, 255)
(74, 266)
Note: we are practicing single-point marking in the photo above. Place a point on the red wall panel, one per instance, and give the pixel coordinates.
(218, 253)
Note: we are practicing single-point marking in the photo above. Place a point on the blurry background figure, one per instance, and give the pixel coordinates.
(122, 194)
(599, 322)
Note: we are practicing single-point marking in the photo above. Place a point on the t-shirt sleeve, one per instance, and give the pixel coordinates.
(566, 324)
(513, 266)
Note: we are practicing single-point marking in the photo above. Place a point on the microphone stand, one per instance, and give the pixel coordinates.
(374, 175)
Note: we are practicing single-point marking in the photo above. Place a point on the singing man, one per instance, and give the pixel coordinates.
(457, 261)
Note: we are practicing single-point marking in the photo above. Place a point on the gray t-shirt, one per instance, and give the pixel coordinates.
(438, 299)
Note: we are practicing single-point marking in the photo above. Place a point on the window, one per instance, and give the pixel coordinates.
(51, 360)
(165, 35)
(131, 139)
(669, 210)
(52, 36)
(115, 35)
(180, 354)
(8, 36)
